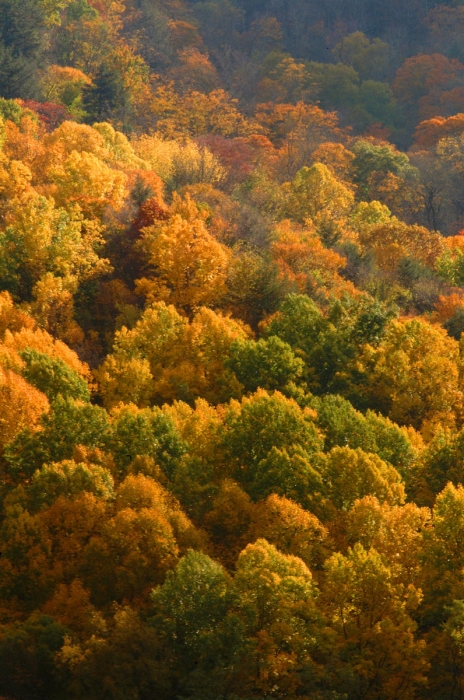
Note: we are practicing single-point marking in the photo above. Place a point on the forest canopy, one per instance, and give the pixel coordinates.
(231, 351)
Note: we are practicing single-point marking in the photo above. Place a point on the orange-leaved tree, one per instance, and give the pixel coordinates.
(189, 264)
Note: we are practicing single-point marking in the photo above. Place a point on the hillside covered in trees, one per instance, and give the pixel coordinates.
(231, 351)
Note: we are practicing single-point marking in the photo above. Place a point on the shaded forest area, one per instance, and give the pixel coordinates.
(231, 354)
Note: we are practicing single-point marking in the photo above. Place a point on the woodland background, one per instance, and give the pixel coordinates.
(231, 355)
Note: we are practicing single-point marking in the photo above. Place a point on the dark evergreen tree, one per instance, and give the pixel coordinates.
(22, 43)
(105, 96)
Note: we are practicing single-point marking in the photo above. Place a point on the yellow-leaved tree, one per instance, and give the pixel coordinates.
(317, 195)
(414, 375)
(165, 358)
(189, 264)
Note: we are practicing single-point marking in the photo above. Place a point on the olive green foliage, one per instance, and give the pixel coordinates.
(53, 376)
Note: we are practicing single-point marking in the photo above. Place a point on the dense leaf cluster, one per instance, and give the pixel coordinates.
(231, 355)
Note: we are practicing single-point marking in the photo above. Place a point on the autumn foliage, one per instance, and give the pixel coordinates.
(231, 350)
